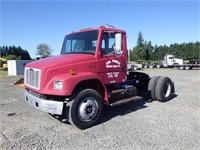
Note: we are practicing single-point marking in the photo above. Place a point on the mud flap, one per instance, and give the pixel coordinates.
(20, 82)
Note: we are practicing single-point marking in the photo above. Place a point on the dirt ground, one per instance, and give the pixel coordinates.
(138, 125)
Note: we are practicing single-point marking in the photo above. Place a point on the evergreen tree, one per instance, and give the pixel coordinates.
(145, 51)
(142, 50)
(139, 51)
(149, 50)
(140, 40)
(15, 53)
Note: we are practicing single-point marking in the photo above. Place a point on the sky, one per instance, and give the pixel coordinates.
(27, 23)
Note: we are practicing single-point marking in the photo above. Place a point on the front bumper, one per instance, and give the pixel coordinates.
(49, 106)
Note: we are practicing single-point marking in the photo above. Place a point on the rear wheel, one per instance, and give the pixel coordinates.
(85, 108)
(135, 68)
(152, 85)
(151, 66)
(158, 66)
(164, 88)
(187, 67)
(181, 67)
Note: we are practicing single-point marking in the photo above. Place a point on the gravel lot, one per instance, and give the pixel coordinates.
(171, 125)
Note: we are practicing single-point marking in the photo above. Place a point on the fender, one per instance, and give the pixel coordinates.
(69, 83)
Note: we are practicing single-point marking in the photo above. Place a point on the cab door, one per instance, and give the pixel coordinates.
(112, 65)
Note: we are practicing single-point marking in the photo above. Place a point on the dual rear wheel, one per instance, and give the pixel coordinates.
(185, 67)
(85, 106)
(161, 88)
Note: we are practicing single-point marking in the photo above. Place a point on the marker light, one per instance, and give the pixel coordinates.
(72, 71)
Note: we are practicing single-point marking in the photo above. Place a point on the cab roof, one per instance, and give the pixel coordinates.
(104, 28)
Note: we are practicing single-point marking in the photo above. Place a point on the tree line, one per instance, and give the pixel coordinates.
(144, 51)
(14, 53)
(17, 53)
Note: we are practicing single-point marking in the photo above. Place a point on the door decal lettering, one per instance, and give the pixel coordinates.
(113, 64)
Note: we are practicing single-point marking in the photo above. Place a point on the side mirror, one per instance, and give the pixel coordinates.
(118, 44)
(118, 41)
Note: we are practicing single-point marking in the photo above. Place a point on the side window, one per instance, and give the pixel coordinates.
(108, 42)
(111, 43)
(103, 46)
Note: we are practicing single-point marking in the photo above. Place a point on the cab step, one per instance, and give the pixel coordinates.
(125, 100)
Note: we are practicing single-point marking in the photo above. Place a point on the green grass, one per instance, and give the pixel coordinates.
(3, 74)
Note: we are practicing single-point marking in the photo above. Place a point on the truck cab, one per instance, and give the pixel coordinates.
(170, 61)
(90, 72)
(109, 62)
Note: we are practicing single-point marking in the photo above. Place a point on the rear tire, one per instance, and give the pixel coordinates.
(151, 66)
(158, 66)
(85, 108)
(181, 67)
(187, 67)
(164, 88)
(152, 85)
(135, 68)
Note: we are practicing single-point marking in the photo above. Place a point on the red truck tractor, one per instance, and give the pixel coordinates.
(90, 72)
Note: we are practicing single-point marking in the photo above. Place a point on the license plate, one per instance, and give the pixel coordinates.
(50, 108)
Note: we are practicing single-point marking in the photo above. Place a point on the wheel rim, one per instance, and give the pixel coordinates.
(87, 109)
(167, 89)
(187, 68)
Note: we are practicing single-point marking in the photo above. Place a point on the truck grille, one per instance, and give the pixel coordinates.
(32, 77)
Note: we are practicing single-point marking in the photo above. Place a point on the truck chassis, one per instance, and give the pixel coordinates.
(84, 108)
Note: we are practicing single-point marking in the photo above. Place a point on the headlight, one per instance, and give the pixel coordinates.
(58, 85)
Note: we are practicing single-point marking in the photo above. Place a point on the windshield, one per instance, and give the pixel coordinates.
(80, 43)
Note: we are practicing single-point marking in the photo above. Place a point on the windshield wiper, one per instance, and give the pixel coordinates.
(82, 52)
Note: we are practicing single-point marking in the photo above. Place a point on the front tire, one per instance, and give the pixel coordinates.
(85, 108)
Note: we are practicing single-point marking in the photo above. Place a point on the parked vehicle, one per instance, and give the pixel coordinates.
(90, 72)
(3, 63)
(152, 65)
(171, 61)
(134, 66)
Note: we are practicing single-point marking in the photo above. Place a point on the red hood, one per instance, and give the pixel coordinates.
(61, 60)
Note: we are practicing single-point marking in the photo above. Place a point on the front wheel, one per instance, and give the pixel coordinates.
(85, 108)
